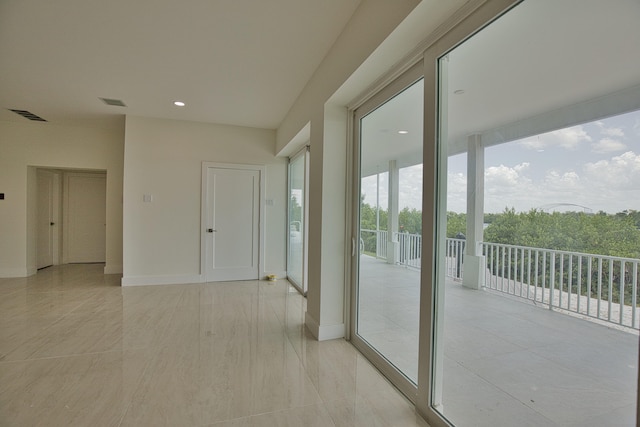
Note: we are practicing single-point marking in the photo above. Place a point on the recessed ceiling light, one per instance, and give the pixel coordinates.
(178, 103)
(403, 132)
(458, 92)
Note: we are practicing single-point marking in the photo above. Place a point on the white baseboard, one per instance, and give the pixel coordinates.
(161, 280)
(112, 269)
(323, 332)
(6, 273)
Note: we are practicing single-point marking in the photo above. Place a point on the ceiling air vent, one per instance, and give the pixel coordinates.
(115, 102)
(28, 115)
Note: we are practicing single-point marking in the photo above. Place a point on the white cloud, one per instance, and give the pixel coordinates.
(568, 181)
(505, 177)
(636, 127)
(620, 173)
(607, 145)
(610, 131)
(569, 138)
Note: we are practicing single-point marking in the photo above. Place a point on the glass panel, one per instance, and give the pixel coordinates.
(537, 303)
(390, 229)
(295, 256)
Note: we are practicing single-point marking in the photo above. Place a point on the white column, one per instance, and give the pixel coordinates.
(393, 248)
(326, 244)
(474, 263)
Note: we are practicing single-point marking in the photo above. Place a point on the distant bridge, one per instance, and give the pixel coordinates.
(557, 205)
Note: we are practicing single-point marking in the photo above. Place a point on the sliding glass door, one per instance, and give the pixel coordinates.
(496, 277)
(539, 326)
(297, 218)
(387, 291)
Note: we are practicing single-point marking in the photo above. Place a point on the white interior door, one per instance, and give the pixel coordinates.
(45, 219)
(232, 223)
(85, 217)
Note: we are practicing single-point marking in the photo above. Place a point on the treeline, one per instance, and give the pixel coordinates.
(410, 220)
(600, 233)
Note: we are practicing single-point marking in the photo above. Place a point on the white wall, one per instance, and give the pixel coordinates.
(34, 144)
(370, 25)
(164, 158)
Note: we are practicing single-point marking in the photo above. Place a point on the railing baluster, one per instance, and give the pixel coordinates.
(599, 284)
(521, 272)
(590, 261)
(570, 281)
(535, 290)
(502, 271)
(552, 279)
(561, 280)
(497, 265)
(621, 294)
(491, 270)
(610, 289)
(528, 272)
(579, 280)
(634, 294)
(509, 270)
(544, 274)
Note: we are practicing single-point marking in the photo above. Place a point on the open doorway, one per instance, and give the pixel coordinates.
(70, 217)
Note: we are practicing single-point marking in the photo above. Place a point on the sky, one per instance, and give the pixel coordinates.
(594, 165)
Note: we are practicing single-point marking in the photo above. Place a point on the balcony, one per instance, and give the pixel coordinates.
(544, 339)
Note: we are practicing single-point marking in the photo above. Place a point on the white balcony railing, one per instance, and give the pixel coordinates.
(410, 249)
(598, 286)
(374, 242)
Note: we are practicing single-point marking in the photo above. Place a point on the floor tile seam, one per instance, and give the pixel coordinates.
(396, 324)
(496, 335)
(92, 353)
(391, 387)
(463, 362)
(303, 365)
(508, 394)
(248, 417)
(564, 368)
(135, 389)
(581, 422)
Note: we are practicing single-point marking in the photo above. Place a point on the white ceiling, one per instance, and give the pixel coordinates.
(240, 62)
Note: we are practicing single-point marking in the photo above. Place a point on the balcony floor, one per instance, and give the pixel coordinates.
(506, 361)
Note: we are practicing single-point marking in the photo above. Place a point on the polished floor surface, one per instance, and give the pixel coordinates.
(76, 349)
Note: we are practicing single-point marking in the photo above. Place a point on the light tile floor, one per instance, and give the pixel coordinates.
(506, 362)
(76, 349)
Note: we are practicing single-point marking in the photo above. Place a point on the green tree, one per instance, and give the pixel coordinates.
(410, 221)
(456, 223)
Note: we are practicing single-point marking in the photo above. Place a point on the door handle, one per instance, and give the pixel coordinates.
(52, 223)
(211, 230)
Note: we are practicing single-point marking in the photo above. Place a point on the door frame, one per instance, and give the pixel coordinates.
(55, 214)
(409, 77)
(204, 205)
(66, 219)
(303, 152)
